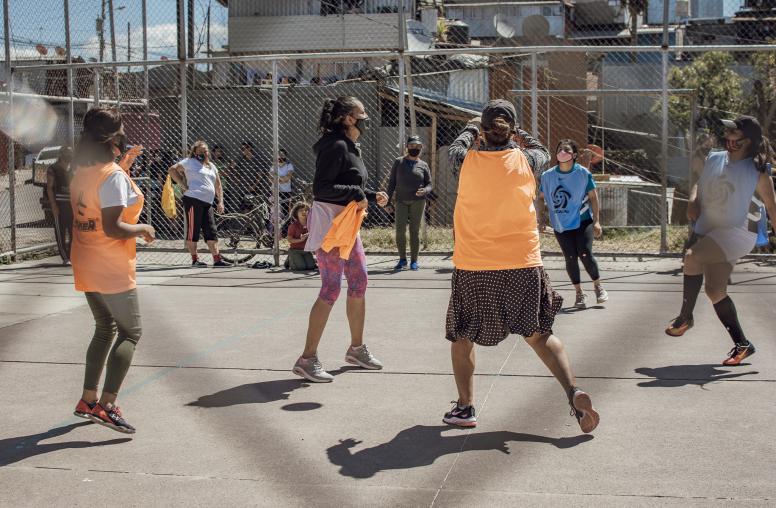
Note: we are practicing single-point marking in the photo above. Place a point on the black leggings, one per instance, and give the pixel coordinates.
(577, 244)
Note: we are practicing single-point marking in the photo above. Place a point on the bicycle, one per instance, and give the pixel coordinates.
(248, 229)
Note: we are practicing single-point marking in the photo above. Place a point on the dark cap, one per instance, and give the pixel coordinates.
(748, 125)
(414, 140)
(497, 108)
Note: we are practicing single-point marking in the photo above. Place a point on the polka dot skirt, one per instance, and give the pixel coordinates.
(486, 306)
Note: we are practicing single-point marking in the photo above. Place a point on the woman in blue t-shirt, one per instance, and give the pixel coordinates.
(572, 200)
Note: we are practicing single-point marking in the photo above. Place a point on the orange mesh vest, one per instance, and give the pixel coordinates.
(100, 264)
(495, 217)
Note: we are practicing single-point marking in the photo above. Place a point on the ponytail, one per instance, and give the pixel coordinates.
(763, 155)
(334, 110)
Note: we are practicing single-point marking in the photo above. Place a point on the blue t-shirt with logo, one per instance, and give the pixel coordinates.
(565, 193)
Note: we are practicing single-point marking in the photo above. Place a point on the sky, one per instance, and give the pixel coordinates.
(42, 22)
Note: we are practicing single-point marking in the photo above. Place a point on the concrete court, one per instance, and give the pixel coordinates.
(222, 421)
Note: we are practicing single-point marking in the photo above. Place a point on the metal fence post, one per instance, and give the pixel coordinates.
(664, 159)
(275, 154)
(70, 92)
(402, 100)
(534, 95)
(11, 125)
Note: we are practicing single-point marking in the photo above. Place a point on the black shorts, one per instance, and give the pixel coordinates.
(199, 216)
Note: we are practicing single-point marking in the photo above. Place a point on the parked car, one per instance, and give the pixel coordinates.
(46, 157)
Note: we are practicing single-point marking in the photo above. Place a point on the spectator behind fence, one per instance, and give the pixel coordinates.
(107, 206)
(58, 177)
(250, 178)
(411, 180)
(298, 258)
(286, 181)
(201, 185)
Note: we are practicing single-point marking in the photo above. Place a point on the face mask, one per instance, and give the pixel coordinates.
(200, 157)
(733, 145)
(362, 124)
(414, 152)
(564, 156)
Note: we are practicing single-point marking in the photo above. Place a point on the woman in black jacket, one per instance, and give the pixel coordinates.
(340, 178)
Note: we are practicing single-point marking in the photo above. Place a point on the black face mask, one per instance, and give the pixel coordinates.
(362, 124)
(414, 152)
(200, 157)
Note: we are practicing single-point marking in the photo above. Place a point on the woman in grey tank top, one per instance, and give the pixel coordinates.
(719, 206)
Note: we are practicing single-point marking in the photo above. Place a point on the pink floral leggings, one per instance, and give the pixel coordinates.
(332, 267)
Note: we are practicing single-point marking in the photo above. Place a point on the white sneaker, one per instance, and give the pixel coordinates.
(581, 301)
(312, 370)
(601, 295)
(363, 358)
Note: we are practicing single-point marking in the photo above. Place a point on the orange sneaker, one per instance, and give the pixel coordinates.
(679, 326)
(739, 353)
(111, 418)
(83, 409)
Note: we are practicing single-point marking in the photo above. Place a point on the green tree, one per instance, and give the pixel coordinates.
(719, 90)
(762, 103)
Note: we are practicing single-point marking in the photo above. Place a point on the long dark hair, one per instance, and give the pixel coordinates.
(761, 153)
(102, 128)
(333, 112)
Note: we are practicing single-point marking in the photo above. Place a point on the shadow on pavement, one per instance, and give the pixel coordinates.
(674, 376)
(421, 445)
(258, 393)
(16, 449)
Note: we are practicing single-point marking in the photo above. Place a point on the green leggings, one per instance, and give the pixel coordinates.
(412, 212)
(111, 313)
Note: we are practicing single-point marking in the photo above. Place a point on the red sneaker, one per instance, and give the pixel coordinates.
(679, 326)
(111, 418)
(738, 353)
(83, 409)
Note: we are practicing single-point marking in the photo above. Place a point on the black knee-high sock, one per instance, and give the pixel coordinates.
(726, 312)
(692, 287)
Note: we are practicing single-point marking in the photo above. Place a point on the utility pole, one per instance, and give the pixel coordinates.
(209, 66)
(101, 31)
(129, 43)
(191, 29)
(113, 49)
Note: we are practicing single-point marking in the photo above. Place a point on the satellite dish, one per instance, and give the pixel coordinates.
(418, 38)
(504, 26)
(536, 27)
(41, 49)
(59, 50)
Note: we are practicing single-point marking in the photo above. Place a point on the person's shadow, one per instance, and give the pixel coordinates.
(257, 393)
(421, 445)
(16, 449)
(674, 376)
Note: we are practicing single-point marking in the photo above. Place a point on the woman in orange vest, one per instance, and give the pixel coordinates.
(499, 284)
(106, 207)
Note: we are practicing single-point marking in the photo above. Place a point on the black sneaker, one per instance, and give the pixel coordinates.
(111, 418)
(198, 264)
(221, 263)
(461, 416)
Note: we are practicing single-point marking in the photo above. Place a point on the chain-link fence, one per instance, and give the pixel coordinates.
(643, 115)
